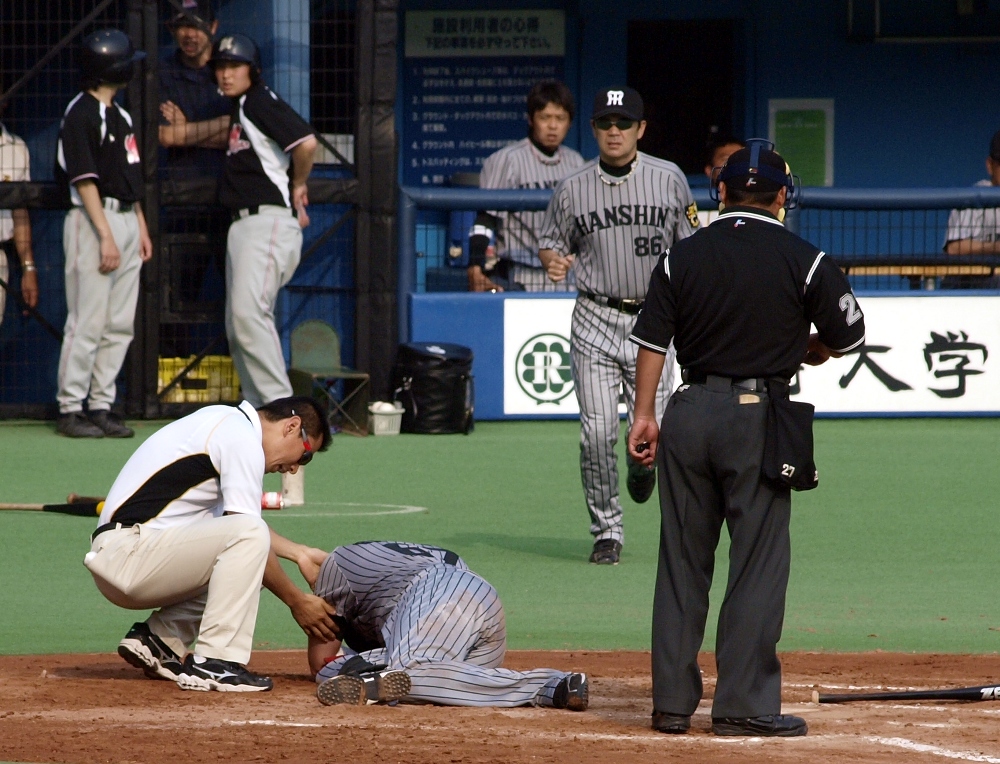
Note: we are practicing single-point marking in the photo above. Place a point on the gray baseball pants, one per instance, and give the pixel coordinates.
(262, 253)
(604, 361)
(100, 316)
(711, 447)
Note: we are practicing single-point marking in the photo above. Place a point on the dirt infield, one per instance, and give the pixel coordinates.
(87, 708)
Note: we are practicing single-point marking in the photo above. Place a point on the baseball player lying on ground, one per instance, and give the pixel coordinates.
(418, 626)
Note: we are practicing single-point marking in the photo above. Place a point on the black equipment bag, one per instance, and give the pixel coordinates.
(433, 382)
(788, 444)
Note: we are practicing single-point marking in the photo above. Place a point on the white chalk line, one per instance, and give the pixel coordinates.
(657, 739)
(825, 686)
(911, 745)
(271, 723)
(386, 509)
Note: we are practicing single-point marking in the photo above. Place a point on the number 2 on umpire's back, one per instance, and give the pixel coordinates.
(644, 245)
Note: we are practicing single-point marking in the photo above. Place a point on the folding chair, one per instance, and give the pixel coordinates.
(316, 369)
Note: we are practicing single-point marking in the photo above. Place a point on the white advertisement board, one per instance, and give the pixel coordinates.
(922, 355)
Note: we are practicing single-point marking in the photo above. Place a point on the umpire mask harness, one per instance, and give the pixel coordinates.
(755, 168)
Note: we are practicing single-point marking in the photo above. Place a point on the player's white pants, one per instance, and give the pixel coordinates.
(262, 253)
(603, 361)
(204, 576)
(537, 279)
(100, 316)
(448, 633)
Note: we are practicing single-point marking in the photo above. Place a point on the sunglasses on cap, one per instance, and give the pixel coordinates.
(307, 454)
(606, 123)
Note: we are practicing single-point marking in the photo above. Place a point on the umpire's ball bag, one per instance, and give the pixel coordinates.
(433, 381)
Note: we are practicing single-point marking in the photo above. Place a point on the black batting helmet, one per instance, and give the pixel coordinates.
(107, 55)
(238, 48)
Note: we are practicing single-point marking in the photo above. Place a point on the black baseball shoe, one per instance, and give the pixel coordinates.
(146, 651)
(572, 693)
(773, 725)
(111, 424)
(364, 688)
(671, 724)
(206, 674)
(76, 425)
(641, 482)
(606, 552)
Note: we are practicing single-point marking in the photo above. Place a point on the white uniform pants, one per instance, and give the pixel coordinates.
(262, 253)
(100, 318)
(448, 633)
(204, 576)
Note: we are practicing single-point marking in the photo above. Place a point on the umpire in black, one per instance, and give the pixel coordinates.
(737, 299)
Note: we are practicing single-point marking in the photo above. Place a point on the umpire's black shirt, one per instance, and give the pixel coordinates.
(738, 297)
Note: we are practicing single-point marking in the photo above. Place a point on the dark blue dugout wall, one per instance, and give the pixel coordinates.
(906, 114)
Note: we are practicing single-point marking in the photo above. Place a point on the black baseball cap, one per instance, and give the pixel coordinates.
(194, 13)
(995, 146)
(755, 168)
(624, 101)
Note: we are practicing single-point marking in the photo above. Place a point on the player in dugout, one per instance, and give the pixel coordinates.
(538, 161)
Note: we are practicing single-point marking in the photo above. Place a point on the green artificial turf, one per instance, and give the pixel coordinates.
(892, 552)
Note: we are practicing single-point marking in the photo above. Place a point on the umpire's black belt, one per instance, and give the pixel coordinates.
(723, 384)
(618, 303)
(246, 212)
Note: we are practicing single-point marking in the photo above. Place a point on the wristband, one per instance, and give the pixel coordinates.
(29, 266)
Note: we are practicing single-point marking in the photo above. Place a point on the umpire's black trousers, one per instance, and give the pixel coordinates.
(711, 445)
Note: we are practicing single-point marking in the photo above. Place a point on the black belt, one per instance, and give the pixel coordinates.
(623, 304)
(112, 526)
(246, 212)
(116, 205)
(721, 383)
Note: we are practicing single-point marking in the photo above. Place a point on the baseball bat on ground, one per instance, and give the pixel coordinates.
(78, 508)
(983, 692)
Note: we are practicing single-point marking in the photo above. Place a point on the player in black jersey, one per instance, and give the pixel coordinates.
(104, 236)
(737, 299)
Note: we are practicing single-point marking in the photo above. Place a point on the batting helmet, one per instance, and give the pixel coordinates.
(108, 56)
(238, 48)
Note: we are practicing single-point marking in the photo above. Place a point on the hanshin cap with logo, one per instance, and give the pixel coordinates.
(194, 13)
(625, 102)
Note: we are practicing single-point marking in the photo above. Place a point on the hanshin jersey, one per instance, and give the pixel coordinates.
(365, 581)
(522, 165)
(206, 464)
(262, 131)
(619, 227)
(96, 142)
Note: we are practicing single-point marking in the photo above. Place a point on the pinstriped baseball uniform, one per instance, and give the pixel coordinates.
(265, 240)
(522, 165)
(419, 608)
(619, 227)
